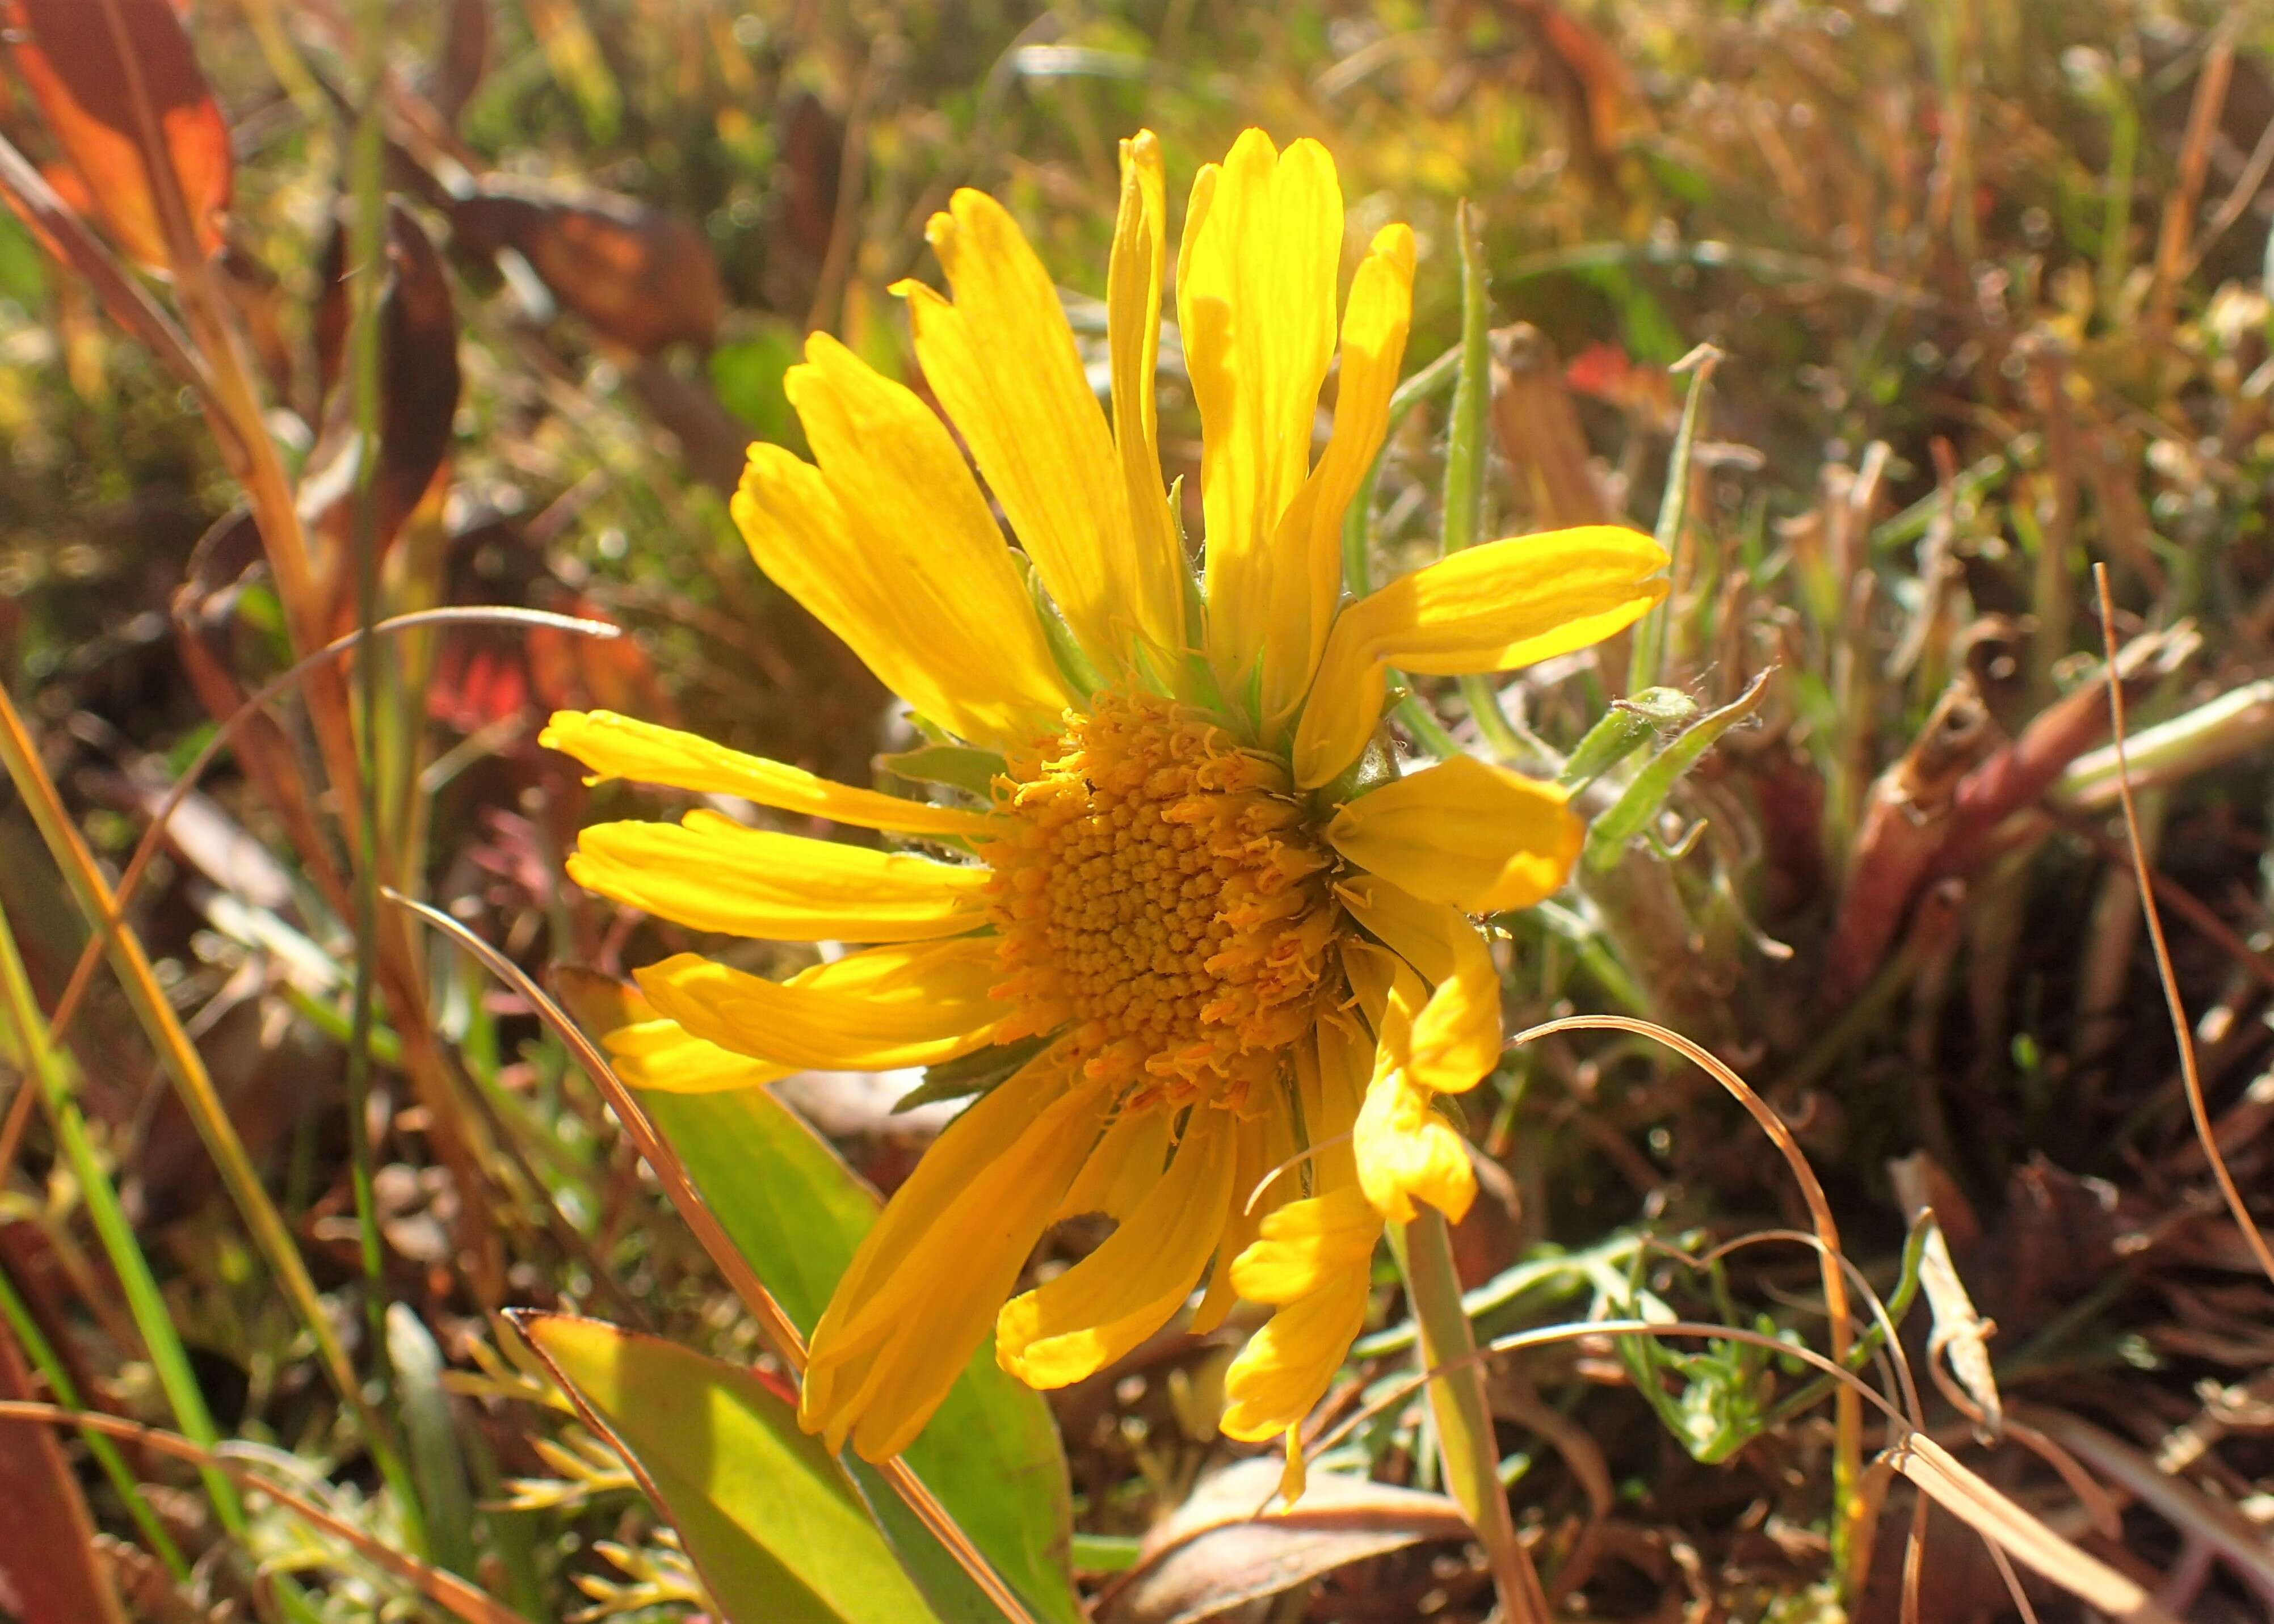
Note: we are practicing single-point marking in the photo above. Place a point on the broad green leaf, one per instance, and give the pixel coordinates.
(768, 1519)
(991, 1454)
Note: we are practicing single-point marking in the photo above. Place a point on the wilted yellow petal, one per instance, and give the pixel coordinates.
(1493, 607)
(664, 1058)
(1286, 1365)
(1463, 832)
(1075, 1324)
(1255, 305)
(1305, 1245)
(619, 746)
(710, 873)
(1405, 1149)
(1264, 1142)
(890, 545)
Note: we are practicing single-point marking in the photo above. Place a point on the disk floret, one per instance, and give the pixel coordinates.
(1160, 898)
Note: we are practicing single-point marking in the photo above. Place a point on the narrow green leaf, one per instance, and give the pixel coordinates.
(1464, 492)
(971, 1074)
(1464, 430)
(768, 1519)
(1673, 511)
(992, 1454)
(1608, 835)
(959, 766)
(1623, 730)
(431, 1434)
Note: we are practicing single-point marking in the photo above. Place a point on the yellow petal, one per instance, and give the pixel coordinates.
(890, 545)
(1464, 832)
(1305, 1245)
(943, 1009)
(619, 746)
(1126, 1165)
(664, 1058)
(925, 1282)
(1001, 359)
(710, 873)
(1332, 1076)
(1255, 303)
(1265, 1142)
(1132, 325)
(1075, 1324)
(1455, 1038)
(1287, 1365)
(1405, 1149)
(1293, 1477)
(1308, 549)
(1493, 607)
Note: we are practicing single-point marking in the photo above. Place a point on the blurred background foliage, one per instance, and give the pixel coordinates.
(1986, 289)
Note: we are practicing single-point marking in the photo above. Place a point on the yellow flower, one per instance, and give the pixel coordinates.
(1214, 951)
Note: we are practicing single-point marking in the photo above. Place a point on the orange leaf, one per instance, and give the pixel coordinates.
(68, 52)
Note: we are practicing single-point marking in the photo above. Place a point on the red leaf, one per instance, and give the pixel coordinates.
(68, 52)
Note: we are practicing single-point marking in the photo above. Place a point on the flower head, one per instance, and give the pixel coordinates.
(1208, 953)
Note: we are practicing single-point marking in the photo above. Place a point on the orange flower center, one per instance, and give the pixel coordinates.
(1160, 900)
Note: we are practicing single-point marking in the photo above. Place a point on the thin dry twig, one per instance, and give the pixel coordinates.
(2182, 1033)
(1848, 1420)
(2001, 1522)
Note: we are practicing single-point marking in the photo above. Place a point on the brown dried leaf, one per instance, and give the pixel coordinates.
(68, 52)
(419, 384)
(1539, 432)
(465, 58)
(643, 279)
(1216, 1553)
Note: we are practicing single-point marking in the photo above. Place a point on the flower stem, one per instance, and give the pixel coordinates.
(1465, 1428)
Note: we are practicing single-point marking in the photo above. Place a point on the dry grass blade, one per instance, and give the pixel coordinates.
(445, 1590)
(780, 1334)
(2217, 1524)
(1960, 1338)
(2182, 1033)
(2007, 1527)
(2015, 1531)
(186, 1067)
(1848, 1419)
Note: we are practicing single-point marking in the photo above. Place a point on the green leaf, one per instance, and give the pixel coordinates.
(1622, 731)
(1608, 835)
(992, 1454)
(768, 1519)
(974, 1073)
(956, 765)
